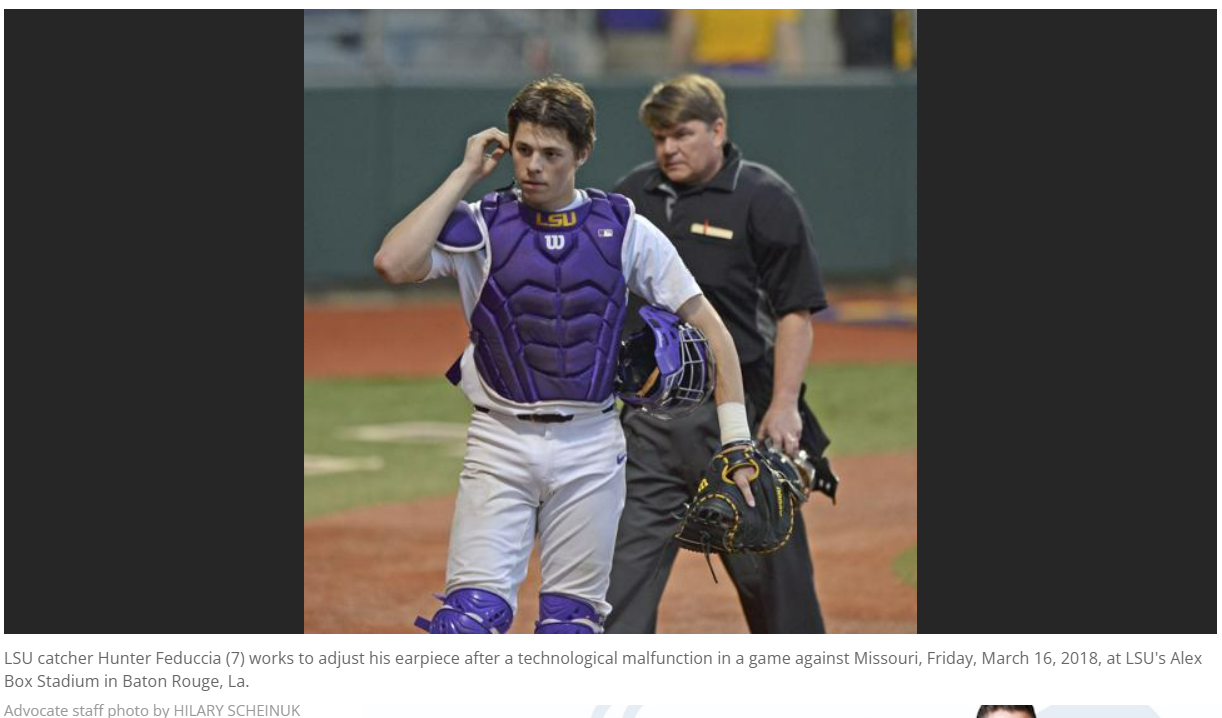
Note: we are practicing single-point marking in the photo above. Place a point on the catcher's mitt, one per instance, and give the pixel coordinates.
(718, 518)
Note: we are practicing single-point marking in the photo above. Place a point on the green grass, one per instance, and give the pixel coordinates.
(905, 566)
(864, 408)
(411, 470)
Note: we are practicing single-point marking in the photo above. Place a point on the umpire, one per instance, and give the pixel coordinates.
(741, 230)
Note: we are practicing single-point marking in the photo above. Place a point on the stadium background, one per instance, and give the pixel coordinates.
(390, 97)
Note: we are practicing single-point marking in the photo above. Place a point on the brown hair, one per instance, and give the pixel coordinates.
(986, 710)
(683, 98)
(559, 104)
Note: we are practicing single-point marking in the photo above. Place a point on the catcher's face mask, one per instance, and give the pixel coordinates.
(666, 368)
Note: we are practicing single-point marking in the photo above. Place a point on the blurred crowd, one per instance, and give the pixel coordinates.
(480, 44)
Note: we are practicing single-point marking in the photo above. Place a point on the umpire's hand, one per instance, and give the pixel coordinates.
(782, 427)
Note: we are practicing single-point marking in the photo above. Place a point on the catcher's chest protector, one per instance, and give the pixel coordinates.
(547, 323)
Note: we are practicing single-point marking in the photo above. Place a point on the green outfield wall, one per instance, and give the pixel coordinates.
(849, 148)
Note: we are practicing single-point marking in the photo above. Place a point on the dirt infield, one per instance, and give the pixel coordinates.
(425, 338)
(373, 570)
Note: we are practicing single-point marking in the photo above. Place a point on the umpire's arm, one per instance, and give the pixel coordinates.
(783, 248)
(782, 423)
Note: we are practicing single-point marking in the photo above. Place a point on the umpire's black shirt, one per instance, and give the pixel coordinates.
(745, 238)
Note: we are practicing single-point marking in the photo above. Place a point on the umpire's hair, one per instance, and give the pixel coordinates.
(559, 104)
(683, 98)
(986, 710)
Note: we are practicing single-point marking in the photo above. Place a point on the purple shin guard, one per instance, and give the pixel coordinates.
(469, 610)
(563, 614)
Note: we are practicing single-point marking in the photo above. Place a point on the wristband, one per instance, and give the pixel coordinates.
(732, 419)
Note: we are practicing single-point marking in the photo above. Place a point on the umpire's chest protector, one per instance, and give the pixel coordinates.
(547, 323)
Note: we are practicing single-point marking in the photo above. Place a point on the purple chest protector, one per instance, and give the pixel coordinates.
(547, 323)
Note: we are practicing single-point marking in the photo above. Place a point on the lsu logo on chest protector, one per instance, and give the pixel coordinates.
(560, 219)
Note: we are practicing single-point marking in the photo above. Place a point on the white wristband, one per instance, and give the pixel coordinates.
(732, 418)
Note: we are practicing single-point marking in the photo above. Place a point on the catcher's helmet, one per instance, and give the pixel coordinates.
(665, 368)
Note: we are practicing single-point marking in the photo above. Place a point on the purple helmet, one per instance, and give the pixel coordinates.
(666, 368)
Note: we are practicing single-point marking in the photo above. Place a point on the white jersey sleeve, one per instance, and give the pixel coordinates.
(443, 264)
(653, 268)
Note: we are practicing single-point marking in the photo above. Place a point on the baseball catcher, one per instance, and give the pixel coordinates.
(544, 271)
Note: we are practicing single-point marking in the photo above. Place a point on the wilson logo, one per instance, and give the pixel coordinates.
(554, 241)
(563, 219)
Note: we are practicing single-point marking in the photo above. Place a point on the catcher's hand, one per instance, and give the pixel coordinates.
(719, 517)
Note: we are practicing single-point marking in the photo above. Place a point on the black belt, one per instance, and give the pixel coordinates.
(544, 418)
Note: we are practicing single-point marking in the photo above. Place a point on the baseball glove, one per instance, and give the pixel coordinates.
(718, 519)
